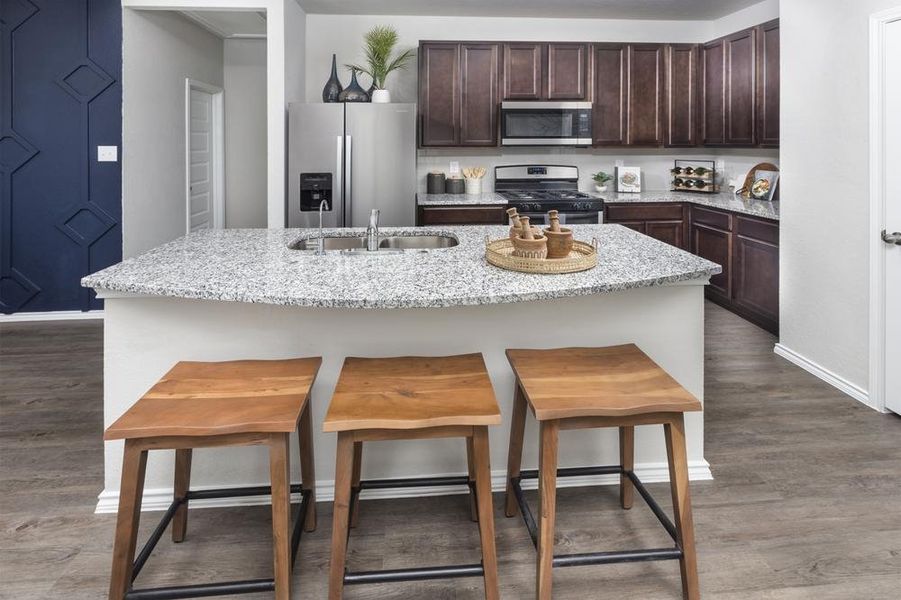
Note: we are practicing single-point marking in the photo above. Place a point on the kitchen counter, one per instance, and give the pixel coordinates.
(236, 294)
(256, 265)
(485, 198)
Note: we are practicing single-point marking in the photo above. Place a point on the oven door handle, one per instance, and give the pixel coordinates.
(541, 218)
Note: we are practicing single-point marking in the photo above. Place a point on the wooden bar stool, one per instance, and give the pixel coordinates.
(202, 405)
(406, 399)
(577, 388)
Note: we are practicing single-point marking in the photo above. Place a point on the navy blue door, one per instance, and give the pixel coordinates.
(60, 210)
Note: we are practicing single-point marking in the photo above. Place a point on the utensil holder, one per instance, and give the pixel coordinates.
(473, 186)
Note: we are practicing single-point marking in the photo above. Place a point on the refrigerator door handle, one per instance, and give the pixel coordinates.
(338, 196)
(348, 179)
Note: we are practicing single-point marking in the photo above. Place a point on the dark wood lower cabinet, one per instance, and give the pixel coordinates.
(462, 215)
(664, 221)
(714, 245)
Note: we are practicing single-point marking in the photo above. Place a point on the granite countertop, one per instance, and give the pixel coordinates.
(459, 199)
(722, 200)
(256, 265)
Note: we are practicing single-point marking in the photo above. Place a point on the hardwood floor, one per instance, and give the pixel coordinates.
(805, 503)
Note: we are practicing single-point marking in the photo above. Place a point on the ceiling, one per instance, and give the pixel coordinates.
(230, 24)
(683, 10)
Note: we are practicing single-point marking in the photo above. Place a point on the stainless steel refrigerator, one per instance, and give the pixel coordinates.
(356, 157)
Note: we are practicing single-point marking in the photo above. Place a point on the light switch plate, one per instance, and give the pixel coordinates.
(454, 167)
(107, 153)
(620, 163)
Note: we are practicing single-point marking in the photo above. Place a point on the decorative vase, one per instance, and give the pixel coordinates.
(600, 188)
(380, 96)
(353, 92)
(333, 87)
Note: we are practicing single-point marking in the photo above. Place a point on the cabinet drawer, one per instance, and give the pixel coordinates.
(712, 218)
(615, 213)
(458, 215)
(765, 231)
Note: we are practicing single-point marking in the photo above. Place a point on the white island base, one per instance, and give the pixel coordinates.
(144, 336)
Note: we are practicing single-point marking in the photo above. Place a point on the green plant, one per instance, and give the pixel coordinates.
(601, 178)
(379, 46)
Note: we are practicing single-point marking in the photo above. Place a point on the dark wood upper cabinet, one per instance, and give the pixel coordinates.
(439, 94)
(713, 93)
(768, 84)
(741, 88)
(644, 108)
(681, 108)
(523, 71)
(478, 74)
(610, 81)
(567, 71)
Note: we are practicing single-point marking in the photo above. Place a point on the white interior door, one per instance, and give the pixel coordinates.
(203, 123)
(892, 202)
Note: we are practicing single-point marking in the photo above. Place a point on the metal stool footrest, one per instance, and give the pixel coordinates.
(599, 558)
(416, 573)
(204, 590)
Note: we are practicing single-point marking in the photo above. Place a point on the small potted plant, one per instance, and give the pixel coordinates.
(600, 181)
(379, 46)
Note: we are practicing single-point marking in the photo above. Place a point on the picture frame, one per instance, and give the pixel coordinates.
(764, 184)
(628, 179)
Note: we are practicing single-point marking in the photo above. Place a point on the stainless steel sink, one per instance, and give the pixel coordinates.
(388, 245)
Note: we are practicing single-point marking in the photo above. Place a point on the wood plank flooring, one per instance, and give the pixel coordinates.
(806, 501)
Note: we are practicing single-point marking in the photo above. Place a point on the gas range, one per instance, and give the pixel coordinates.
(535, 189)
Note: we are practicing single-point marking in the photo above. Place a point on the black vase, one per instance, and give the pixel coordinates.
(332, 90)
(353, 92)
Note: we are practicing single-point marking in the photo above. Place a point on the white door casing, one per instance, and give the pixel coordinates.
(204, 157)
(885, 209)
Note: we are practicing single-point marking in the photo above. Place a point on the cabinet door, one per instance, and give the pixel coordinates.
(439, 94)
(462, 215)
(682, 95)
(567, 71)
(714, 245)
(666, 231)
(644, 109)
(478, 82)
(713, 93)
(768, 84)
(638, 226)
(755, 278)
(741, 88)
(522, 71)
(609, 114)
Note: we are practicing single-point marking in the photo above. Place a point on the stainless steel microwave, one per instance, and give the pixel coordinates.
(546, 124)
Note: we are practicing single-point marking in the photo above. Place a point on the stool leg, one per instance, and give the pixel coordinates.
(685, 537)
(514, 454)
(355, 483)
(547, 506)
(627, 460)
(470, 464)
(482, 467)
(131, 490)
(182, 483)
(343, 475)
(307, 465)
(280, 479)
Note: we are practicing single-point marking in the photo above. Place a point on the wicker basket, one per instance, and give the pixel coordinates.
(584, 256)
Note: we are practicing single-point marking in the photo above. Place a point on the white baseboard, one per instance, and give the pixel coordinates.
(158, 499)
(836, 381)
(57, 315)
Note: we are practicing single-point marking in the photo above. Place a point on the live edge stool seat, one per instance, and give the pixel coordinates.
(577, 388)
(406, 398)
(214, 404)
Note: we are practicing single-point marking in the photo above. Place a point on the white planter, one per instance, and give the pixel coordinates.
(381, 96)
(473, 186)
(600, 188)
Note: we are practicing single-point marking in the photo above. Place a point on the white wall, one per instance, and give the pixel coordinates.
(160, 49)
(824, 228)
(245, 132)
(752, 15)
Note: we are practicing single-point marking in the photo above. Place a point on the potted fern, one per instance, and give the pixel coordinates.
(379, 47)
(600, 181)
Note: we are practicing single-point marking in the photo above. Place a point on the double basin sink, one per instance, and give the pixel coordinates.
(394, 244)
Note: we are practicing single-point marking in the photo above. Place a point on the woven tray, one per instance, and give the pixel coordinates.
(584, 256)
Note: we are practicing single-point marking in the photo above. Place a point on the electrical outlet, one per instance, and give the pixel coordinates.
(620, 163)
(721, 166)
(107, 153)
(454, 167)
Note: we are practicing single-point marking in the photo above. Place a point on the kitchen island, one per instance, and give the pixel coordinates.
(229, 294)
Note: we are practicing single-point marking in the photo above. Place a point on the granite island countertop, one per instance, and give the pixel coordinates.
(722, 200)
(257, 266)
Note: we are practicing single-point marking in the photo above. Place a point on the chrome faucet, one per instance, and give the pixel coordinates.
(320, 242)
(372, 232)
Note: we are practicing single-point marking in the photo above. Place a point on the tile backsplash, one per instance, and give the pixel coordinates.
(654, 163)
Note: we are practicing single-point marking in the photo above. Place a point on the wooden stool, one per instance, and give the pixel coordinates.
(405, 399)
(202, 405)
(577, 388)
